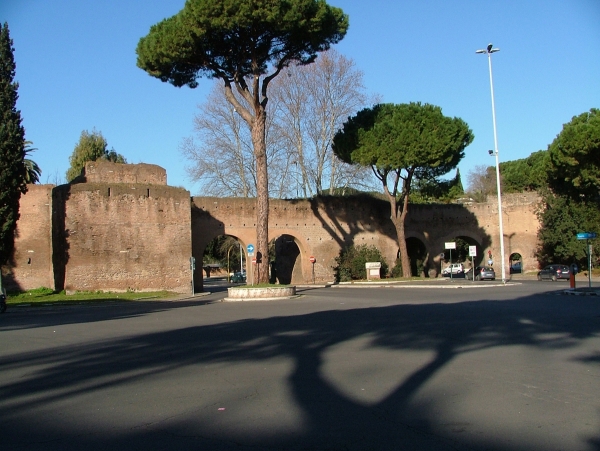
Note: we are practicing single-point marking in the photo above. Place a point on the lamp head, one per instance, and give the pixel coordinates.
(490, 49)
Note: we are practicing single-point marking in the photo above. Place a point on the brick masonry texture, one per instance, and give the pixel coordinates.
(120, 227)
(107, 235)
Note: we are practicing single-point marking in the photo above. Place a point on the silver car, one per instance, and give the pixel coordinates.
(485, 272)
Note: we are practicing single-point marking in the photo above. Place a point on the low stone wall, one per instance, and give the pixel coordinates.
(260, 294)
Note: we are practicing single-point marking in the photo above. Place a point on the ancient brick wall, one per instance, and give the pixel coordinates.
(32, 266)
(318, 227)
(122, 228)
(102, 171)
(121, 237)
(322, 227)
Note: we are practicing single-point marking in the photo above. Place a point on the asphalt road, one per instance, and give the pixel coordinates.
(484, 367)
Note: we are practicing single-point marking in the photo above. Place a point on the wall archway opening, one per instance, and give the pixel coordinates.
(461, 253)
(223, 258)
(417, 252)
(285, 261)
(516, 263)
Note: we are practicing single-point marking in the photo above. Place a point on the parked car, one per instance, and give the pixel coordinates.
(516, 268)
(485, 272)
(238, 277)
(454, 269)
(554, 273)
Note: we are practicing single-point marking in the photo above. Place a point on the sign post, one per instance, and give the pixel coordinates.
(250, 268)
(587, 236)
(193, 268)
(473, 254)
(450, 245)
(441, 263)
(313, 260)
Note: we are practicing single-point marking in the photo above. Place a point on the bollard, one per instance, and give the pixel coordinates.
(572, 279)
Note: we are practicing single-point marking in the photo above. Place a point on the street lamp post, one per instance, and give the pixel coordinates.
(488, 51)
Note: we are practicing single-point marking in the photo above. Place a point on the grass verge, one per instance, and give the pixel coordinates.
(45, 296)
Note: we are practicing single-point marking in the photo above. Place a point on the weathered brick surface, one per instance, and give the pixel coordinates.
(33, 243)
(127, 237)
(102, 171)
(322, 227)
(125, 229)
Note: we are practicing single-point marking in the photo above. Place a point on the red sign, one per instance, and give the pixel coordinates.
(254, 260)
(312, 259)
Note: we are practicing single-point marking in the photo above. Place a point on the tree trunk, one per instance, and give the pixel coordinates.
(261, 269)
(399, 225)
(398, 216)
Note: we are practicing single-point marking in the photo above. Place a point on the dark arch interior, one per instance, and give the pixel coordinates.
(461, 253)
(285, 260)
(417, 252)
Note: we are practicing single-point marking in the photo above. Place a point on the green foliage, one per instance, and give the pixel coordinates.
(246, 44)
(560, 221)
(414, 137)
(237, 38)
(403, 143)
(219, 249)
(435, 190)
(351, 262)
(526, 174)
(575, 157)
(12, 148)
(91, 147)
(44, 296)
(397, 269)
(573, 162)
(32, 170)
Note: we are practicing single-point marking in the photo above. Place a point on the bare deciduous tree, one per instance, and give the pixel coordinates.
(307, 105)
(482, 182)
(221, 155)
(312, 103)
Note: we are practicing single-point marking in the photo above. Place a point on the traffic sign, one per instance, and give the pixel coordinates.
(254, 260)
(312, 259)
(250, 250)
(586, 235)
(472, 251)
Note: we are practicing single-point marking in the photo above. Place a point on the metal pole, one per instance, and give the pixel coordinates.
(489, 52)
(589, 246)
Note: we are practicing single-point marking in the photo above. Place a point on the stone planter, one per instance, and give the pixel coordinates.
(260, 294)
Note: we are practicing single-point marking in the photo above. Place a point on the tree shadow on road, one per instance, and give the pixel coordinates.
(332, 420)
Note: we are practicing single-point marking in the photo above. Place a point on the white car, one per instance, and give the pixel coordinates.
(454, 268)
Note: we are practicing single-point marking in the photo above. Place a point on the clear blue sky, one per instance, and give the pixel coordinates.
(76, 66)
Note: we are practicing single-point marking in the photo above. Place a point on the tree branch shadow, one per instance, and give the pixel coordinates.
(333, 420)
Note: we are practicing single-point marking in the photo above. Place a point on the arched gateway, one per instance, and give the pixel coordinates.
(321, 227)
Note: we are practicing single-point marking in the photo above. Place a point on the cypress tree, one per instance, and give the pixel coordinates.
(12, 148)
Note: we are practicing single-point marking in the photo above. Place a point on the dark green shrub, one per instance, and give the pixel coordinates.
(397, 269)
(351, 262)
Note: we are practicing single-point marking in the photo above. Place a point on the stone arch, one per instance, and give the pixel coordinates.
(462, 255)
(419, 256)
(515, 261)
(288, 258)
(233, 263)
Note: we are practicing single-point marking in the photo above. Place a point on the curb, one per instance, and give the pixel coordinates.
(278, 298)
